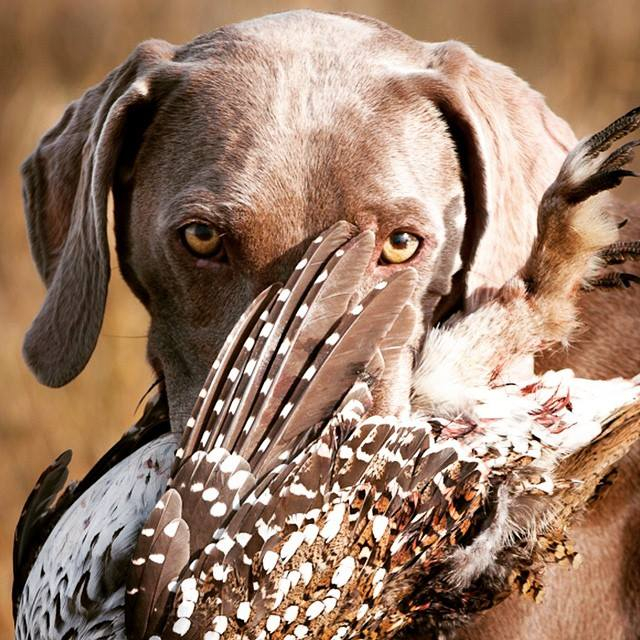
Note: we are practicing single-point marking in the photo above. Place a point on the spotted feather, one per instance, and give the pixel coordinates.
(214, 482)
(159, 557)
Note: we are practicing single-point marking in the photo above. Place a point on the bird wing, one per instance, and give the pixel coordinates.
(278, 379)
(38, 510)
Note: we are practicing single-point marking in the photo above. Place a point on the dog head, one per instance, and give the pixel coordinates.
(227, 155)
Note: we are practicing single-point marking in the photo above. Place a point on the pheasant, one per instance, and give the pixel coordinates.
(293, 510)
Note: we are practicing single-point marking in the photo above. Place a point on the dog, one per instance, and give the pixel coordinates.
(225, 156)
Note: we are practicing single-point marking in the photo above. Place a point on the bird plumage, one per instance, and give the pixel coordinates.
(357, 508)
(293, 511)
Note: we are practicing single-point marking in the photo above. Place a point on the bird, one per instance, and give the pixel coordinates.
(287, 517)
(290, 508)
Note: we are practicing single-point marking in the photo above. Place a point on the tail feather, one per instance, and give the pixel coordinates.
(343, 356)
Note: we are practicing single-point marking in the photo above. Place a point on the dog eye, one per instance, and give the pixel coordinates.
(399, 247)
(202, 240)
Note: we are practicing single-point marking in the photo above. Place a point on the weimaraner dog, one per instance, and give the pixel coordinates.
(225, 156)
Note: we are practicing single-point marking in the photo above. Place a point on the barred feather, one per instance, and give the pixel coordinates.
(36, 510)
(48, 502)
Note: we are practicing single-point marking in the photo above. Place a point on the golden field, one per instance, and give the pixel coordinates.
(583, 55)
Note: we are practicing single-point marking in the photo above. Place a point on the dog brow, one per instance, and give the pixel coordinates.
(202, 203)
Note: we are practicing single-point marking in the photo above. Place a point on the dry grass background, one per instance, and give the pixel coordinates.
(583, 55)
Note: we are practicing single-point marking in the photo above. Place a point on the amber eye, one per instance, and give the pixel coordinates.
(202, 240)
(399, 247)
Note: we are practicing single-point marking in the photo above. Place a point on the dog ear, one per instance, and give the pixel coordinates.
(66, 185)
(510, 146)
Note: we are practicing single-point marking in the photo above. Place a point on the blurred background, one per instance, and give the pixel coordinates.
(584, 55)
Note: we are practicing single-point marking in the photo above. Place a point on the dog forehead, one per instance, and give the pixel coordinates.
(289, 131)
(295, 173)
(322, 78)
(295, 133)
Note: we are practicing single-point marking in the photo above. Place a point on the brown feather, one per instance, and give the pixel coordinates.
(157, 560)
